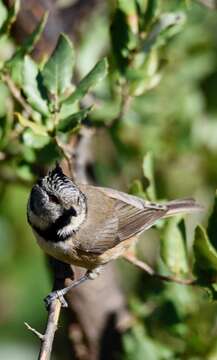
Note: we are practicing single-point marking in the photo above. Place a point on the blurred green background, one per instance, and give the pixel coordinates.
(176, 120)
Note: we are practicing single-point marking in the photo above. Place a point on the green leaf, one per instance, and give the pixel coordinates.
(24, 171)
(204, 253)
(72, 121)
(138, 346)
(151, 11)
(3, 14)
(148, 171)
(15, 68)
(12, 14)
(33, 38)
(57, 72)
(167, 26)
(136, 189)
(122, 38)
(212, 225)
(48, 154)
(34, 140)
(95, 75)
(28, 153)
(31, 88)
(146, 12)
(173, 251)
(15, 64)
(36, 128)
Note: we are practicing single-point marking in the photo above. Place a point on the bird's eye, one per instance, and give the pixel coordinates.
(53, 198)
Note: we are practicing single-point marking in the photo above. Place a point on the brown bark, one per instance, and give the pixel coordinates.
(98, 306)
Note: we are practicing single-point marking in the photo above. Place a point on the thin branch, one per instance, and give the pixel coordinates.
(51, 327)
(124, 106)
(148, 269)
(66, 153)
(52, 322)
(38, 334)
(16, 93)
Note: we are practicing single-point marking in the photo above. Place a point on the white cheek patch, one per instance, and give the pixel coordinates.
(74, 225)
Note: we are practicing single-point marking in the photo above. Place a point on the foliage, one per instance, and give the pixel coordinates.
(152, 100)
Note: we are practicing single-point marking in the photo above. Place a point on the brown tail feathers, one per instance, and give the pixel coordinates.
(182, 206)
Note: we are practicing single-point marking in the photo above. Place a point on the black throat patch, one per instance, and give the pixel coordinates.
(51, 232)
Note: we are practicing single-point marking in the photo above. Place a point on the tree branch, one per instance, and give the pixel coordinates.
(48, 337)
(124, 105)
(38, 334)
(51, 327)
(148, 269)
(16, 93)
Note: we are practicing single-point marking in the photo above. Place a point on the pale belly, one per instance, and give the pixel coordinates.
(66, 252)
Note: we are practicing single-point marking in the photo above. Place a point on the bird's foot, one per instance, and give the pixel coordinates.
(58, 294)
(93, 274)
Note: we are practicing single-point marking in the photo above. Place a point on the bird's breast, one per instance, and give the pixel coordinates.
(69, 253)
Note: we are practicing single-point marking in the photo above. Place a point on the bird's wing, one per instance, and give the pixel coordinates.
(119, 217)
(135, 214)
(133, 221)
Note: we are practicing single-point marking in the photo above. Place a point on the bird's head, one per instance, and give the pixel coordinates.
(56, 204)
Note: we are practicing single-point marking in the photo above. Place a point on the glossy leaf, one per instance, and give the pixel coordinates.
(24, 171)
(30, 87)
(3, 14)
(95, 75)
(30, 42)
(11, 17)
(136, 189)
(173, 251)
(15, 68)
(150, 12)
(57, 72)
(72, 121)
(204, 253)
(167, 26)
(138, 346)
(15, 64)
(122, 39)
(33, 38)
(34, 140)
(146, 12)
(36, 128)
(48, 153)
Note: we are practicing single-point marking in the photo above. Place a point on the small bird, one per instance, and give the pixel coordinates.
(89, 226)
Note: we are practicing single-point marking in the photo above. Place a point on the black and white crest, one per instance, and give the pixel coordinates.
(57, 180)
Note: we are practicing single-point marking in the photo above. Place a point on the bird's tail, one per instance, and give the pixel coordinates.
(182, 206)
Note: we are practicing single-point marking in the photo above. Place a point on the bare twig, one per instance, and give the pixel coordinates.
(51, 327)
(148, 269)
(48, 337)
(64, 148)
(38, 334)
(124, 106)
(16, 93)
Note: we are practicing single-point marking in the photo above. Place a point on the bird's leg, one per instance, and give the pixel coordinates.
(59, 294)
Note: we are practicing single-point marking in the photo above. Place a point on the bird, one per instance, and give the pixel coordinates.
(88, 226)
